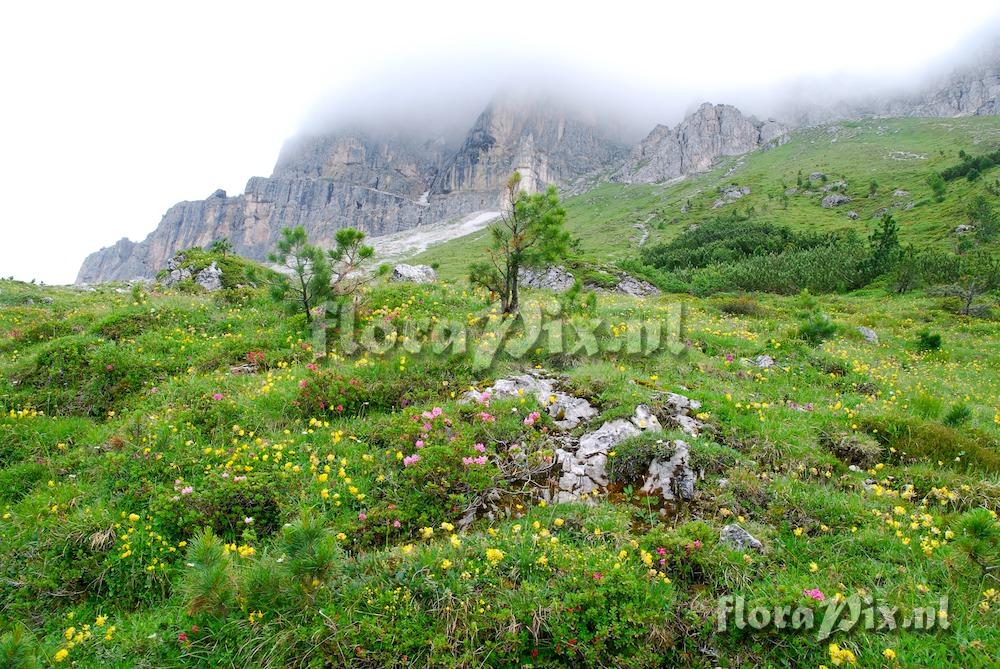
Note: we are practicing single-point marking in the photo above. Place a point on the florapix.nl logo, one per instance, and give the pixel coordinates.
(538, 327)
(830, 615)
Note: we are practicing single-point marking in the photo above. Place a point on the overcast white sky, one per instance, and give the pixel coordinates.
(113, 111)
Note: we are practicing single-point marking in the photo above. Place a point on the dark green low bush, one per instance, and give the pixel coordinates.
(915, 440)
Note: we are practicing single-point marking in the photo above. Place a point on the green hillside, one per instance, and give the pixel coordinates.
(899, 154)
(186, 480)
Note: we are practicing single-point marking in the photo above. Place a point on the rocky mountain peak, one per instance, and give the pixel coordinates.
(548, 142)
(697, 142)
(381, 181)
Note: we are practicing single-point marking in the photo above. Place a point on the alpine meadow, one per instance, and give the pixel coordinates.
(536, 395)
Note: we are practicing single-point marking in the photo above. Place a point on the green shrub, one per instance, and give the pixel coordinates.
(724, 241)
(18, 479)
(382, 385)
(18, 650)
(928, 341)
(633, 456)
(851, 448)
(935, 442)
(979, 537)
(209, 584)
(743, 305)
(971, 166)
(816, 328)
(957, 415)
(927, 406)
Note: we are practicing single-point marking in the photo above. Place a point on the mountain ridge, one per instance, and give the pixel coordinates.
(385, 182)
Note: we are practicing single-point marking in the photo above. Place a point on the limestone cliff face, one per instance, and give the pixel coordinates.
(970, 90)
(711, 132)
(547, 143)
(379, 183)
(385, 182)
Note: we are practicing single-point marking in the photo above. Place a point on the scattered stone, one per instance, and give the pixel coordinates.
(413, 273)
(853, 215)
(834, 200)
(672, 477)
(566, 410)
(869, 335)
(730, 193)
(643, 233)
(964, 229)
(899, 192)
(629, 285)
(836, 185)
(246, 368)
(210, 278)
(816, 176)
(677, 410)
(176, 273)
(557, 279)
(791, 191)
(764, 361)
(736, 537)
(580, 465)
(584, 470)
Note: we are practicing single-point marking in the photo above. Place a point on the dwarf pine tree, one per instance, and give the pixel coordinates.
(529, 232)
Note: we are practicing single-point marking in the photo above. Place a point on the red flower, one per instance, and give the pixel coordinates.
(182, 637)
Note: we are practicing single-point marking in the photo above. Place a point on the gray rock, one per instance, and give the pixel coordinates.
(900, 193)
(380, 182)
(671, 477)
(834, 200)
(678, 409)
(816, 176)
(413, 273)
(853, 215)
(175, 276)
(556, 279)
(710, 133)
(738, 538)
(580, 465)
(566, 410)
(869, 335)
(584, 470)
(246, 368)
(764, 361)
(210, 278)
(964, 229)
(629, 285)
(731, 193)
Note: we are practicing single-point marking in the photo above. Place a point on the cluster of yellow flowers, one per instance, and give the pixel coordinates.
(841, 656)
(77, 635)
(25, 413)
(243, 550)
(991, 597)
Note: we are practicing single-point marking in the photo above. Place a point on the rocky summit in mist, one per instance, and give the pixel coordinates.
(387, 181)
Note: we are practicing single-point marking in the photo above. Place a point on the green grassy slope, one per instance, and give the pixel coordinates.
(898, 154)
(123, 431)
(132, 419)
